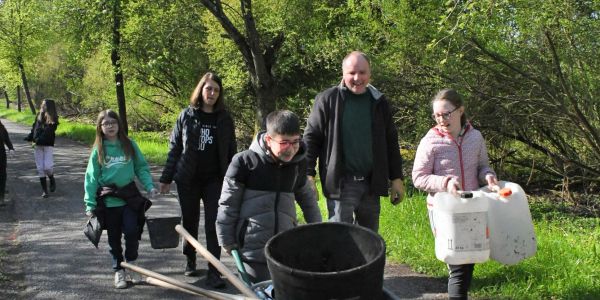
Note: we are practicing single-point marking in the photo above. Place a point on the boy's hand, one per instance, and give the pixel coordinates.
(89, 213)
(228, 248)
(397, 193)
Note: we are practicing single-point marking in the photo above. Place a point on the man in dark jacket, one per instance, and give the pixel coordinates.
(351, 132)
(260, 190)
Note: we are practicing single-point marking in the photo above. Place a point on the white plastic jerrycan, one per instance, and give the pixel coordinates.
(460, 227)
(512, 237)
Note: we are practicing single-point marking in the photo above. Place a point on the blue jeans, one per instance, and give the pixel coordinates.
(356, 205)
(122, 221)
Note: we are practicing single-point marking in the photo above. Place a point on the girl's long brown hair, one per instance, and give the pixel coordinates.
(47, 113)
(99, 143)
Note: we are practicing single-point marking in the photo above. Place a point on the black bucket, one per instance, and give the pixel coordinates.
(162, 232)
(326, 261)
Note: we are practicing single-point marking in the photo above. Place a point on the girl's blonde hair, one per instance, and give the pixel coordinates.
(121, 136)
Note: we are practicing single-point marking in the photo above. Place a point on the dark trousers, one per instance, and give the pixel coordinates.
(121, 221)
(356, 205)
(459, 281)
(189, 200)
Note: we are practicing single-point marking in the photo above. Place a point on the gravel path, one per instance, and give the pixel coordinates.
(44, 254)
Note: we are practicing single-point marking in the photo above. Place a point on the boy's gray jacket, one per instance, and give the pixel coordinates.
(257, 200)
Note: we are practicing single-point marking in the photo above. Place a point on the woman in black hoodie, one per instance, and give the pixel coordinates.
(201, 146)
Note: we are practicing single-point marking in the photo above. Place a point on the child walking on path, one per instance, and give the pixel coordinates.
(260, 190)
(42, 137)
(111, 193)
(4, 140)
(452, 157)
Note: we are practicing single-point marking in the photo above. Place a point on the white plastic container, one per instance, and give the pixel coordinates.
(460, 227)
(512, 237)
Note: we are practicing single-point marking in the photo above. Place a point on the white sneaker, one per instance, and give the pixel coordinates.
(134, 277)
(120, 282)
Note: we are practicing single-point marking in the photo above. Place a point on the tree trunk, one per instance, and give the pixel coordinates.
(26, 87)
(18, 98)
(258, 59)
(116, 63)
(6, 97)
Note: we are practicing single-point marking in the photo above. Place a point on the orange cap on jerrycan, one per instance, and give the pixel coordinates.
(505, 192)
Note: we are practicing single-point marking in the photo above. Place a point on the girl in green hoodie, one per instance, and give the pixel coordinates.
(116, 160)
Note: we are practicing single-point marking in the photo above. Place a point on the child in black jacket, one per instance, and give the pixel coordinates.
(42, 137)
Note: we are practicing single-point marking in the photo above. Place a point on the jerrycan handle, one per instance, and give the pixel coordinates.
(465, 195)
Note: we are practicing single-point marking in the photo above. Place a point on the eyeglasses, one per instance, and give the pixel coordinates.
(444, 116)
(285, 143)
(109, 124)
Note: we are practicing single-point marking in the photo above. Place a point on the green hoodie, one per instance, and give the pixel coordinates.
(117, 169)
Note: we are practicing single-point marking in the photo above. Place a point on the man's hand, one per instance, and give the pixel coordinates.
(165, 188)
(228, 248)
(397, 193)
(89, 213)
(313, 185)
(11, 153)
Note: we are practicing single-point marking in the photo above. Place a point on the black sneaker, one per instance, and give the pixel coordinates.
(190, 269)
(214, 280)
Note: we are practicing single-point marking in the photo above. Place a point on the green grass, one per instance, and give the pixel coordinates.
(566, 266)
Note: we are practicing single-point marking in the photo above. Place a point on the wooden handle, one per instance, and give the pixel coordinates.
(177, 283)
(216, 263)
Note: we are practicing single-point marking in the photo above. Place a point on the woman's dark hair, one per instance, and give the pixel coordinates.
(454, 98)
(121, 136)
(196, 98)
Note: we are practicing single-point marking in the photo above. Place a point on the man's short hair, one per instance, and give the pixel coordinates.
(283, 122)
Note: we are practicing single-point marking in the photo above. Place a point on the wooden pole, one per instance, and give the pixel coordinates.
(158, 282)
(176, 282)
(240, 285)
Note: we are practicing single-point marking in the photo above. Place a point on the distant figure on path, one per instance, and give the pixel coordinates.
(260, 190)
(351, 132)
(112, 195)
(4, 140)
(42, 138)
(202, 144)
(452, 157)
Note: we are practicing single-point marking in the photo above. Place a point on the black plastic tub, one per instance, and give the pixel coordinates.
(327, 261)
(162, 232)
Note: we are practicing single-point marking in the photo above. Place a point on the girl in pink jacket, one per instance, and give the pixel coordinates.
(452, 157)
